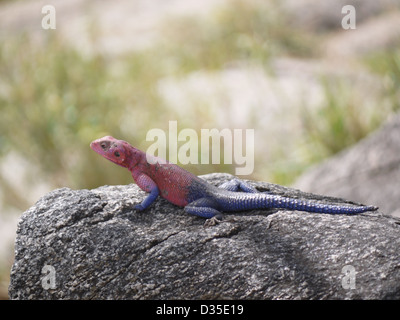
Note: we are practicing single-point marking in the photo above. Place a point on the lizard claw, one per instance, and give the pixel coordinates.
(213, 221)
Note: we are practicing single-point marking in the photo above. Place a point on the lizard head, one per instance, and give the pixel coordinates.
(117, 151)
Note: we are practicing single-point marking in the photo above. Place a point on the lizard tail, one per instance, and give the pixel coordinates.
(317, 207)
(249, 201)
(271, 201)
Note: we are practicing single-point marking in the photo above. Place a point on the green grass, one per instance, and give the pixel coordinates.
(340, 122)
(246, 32)
(386, 64)
(345, 117)
(62, 99)
(55, 100)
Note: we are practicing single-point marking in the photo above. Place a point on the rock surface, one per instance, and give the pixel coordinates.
(368, 171)
(90, 244)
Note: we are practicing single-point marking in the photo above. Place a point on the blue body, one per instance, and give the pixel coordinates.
(207, 201)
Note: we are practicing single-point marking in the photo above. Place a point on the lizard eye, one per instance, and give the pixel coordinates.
(116, 153)
(103, 145)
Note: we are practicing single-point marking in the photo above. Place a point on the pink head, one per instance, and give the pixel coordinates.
(117, 151)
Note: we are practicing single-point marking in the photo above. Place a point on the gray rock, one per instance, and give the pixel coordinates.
(91, 244)
(367, 172)
(327, 15)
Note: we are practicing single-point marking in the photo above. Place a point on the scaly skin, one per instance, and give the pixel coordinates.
(180, 187)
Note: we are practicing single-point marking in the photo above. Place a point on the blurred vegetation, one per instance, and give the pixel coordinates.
(63, 99)
(54, 100)
(344, 118)
(242, 32)
(339, 122)
(386, 64)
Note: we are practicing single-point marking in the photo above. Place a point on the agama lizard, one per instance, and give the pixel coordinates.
(182, 188)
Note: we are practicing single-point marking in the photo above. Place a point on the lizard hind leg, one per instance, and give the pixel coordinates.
(204, 207)
(237, 185)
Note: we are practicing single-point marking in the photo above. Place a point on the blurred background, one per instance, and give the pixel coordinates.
(310, 89)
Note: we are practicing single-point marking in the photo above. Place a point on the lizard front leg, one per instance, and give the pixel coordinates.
(146, 184)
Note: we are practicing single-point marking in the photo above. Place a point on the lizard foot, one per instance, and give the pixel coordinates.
(213, 221)
(139, 207)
